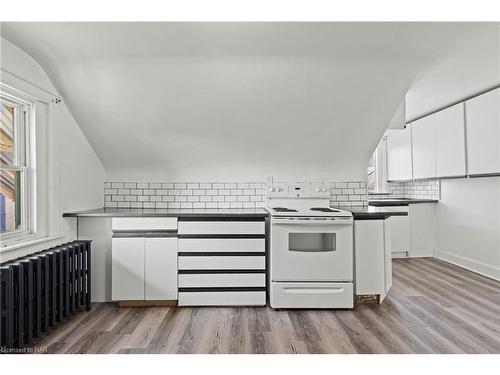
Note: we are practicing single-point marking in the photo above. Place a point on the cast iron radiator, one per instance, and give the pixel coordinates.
(41, 289)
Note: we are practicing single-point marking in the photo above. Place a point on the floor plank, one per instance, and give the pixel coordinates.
(433, 307)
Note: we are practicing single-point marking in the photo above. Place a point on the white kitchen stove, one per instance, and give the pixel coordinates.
(311, 252)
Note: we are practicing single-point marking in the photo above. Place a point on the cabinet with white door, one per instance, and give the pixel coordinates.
(399, 164)
(373, 258)
(483, 133)
(144, 259)
(127, 269)
(450, 141)
(424, 148)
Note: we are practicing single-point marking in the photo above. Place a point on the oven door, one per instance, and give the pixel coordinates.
(311, 249)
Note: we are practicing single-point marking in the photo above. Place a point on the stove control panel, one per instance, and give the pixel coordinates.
(298, 190)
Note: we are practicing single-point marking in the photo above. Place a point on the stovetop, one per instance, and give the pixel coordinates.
(308, 199)
(308, 211)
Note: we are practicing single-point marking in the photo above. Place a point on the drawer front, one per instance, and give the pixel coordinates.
(221, 227)
(144, 223)
(222, 245)
(312, 295)
(221, 280)
(221, 262)
(222, 298)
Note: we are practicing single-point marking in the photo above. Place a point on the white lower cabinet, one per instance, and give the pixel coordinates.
(160, 268)
(222, 262)
(373, 257)
(127, 269)
(144, 260)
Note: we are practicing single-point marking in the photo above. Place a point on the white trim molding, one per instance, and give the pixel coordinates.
(468, 263)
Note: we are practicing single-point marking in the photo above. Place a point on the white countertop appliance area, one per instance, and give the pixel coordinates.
(311, 248)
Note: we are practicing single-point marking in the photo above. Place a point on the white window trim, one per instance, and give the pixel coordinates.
(44, 219)
(23, 164)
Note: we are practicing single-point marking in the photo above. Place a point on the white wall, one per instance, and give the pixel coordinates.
(468, 224)
(81, 174)
(468, 214)
(469, 64)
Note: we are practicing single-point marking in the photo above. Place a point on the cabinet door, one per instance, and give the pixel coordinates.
(483, 133)
(369, 252)
(424, 148)
(161, 268)
(388, 257)
(127, 269)
(400, 235)
(450, 142)
(399, 167)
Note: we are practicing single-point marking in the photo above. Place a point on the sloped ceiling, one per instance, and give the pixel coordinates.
(224, 101)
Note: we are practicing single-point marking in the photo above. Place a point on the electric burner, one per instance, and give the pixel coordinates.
(283, 209)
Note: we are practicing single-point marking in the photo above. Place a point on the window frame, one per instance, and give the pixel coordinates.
(23, 161)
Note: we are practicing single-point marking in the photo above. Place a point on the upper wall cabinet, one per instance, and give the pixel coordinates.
(483, 133)
(424, 148)
(450, 141)
(399, 155)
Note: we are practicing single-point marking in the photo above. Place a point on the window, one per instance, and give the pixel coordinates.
(14, 163)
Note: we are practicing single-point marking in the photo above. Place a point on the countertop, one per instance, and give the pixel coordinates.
(182, 213)
(359, 213)
(371, 213)
(399, 201)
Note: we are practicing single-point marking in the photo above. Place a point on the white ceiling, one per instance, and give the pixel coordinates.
(232, 100)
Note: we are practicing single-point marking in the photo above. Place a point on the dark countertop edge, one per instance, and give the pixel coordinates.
(397, 203)
(90, 214)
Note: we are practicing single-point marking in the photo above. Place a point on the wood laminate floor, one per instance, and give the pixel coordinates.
(433, 307)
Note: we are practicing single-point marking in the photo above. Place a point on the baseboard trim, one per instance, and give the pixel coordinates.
(469, 264)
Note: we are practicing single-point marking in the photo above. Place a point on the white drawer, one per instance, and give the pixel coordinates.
(311, 295)
(144, 223)
(221, 227)
(222, 245)
(222, 298)
(221, 262)
(218, 280)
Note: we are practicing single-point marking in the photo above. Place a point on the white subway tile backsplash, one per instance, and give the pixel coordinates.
(429, 189)
(221, 195)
